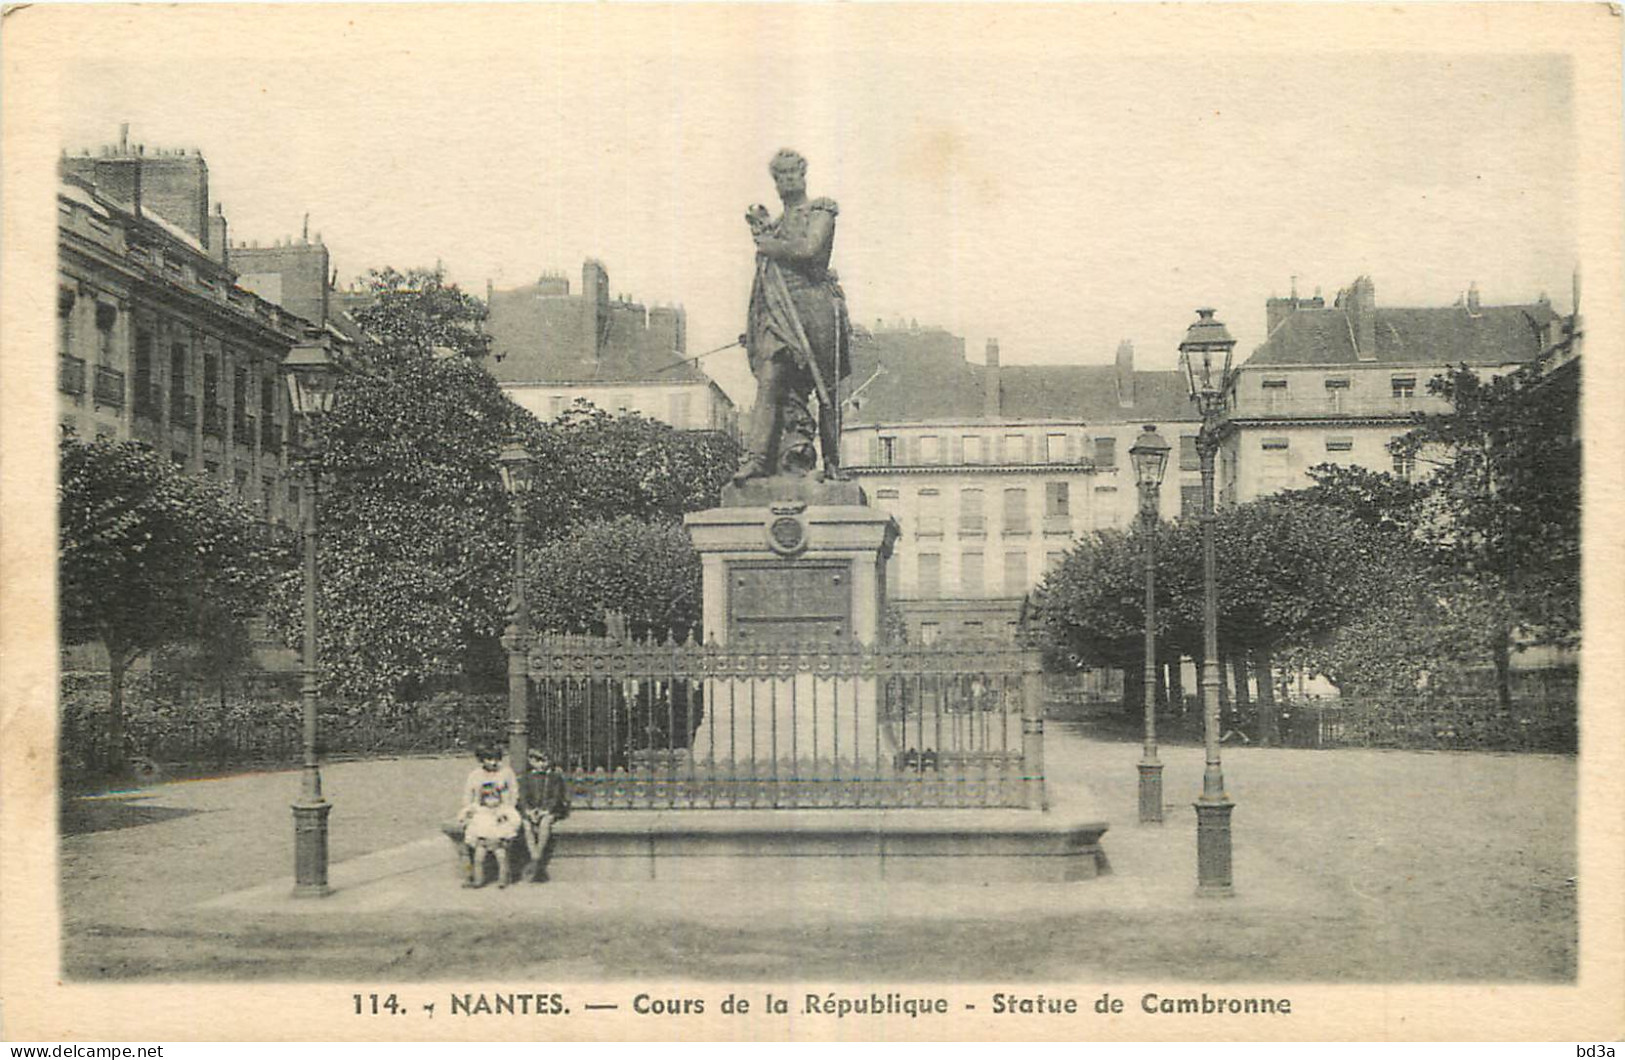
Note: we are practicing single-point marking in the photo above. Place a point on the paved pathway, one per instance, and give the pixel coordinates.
(1349, 865)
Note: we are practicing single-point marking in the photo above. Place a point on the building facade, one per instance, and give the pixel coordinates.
(156, 341)
(1335, 385)
(551, 347)
(993, 471)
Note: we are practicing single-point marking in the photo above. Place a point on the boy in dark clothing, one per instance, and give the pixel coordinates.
(543, 801)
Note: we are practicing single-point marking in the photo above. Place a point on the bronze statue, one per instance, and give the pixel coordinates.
(797, 333)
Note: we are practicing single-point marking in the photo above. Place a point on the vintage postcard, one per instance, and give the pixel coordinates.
(811, 522)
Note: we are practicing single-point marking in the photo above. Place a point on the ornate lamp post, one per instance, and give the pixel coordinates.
(1206, 341)
(1149, 454)
(515, 464)
(310, 373)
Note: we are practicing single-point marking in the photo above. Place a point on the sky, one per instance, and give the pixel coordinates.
(1047, 191)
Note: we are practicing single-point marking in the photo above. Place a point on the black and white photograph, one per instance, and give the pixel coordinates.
(806, 522)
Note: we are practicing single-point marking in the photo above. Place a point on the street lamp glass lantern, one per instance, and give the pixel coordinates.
(1150, 456)
(1206, 352)
(311, 376)
(515, 464)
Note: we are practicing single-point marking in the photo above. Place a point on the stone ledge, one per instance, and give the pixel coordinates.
(928, 845)
(781, 489)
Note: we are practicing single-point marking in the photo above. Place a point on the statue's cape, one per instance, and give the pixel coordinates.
(775, 324)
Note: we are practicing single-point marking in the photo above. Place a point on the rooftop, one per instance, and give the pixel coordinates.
(1447, 335)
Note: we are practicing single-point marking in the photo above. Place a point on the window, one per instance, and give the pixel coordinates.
(1275, 396)
(1057, 500)
(1189, 458)
(1106, 451)
(678, 410)
(930, 575)
(1015, 511)
(143, 371)
(239, 392)
(930, 506)
(267, 398)
(1339, 443)
(1337, 392)
(180, 402)
(1190, 501)
(64, 322)
(885, 495)
(972, 517)
(973, 448)
(930, 449)
(242, 481)
(930, 632)
(1276, 461)
(555, 406)
(1404, 388)
(1015, 449)
(106, 317)
(888, 450)
(972, 580)
(1404, 465)
(211, 380)
(1055, 448)
(177, 458)
(1053, 560)
(1015, 573)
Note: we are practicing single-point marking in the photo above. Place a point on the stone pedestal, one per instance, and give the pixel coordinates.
(790, 563)
(788, 559)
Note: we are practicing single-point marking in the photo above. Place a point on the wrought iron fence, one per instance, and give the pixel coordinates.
(653, 725)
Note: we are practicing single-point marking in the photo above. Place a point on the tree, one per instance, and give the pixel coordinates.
(418, 311)
(1092, 606)
(150, 556)
(1289, 573)
(1501, 505)
(592, 466)
(647, 571)
(416, 545)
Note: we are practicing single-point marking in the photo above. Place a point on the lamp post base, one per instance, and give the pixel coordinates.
(1213, 847)
(310, 848)
(1150, 792)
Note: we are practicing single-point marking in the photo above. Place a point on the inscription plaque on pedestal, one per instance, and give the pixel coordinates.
(789, 601)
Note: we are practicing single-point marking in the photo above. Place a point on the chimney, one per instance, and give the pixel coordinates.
(594, 306)
(1472, 297)
(990, 404)
(1360, 306)
(1125, 374)
(176, 187)
(217, 242)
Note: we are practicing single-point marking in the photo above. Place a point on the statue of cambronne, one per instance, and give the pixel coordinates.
(797, 334)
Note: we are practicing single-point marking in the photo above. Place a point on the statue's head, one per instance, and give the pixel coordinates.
(789, 171)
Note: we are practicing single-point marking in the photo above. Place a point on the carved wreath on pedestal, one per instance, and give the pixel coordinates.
(786, 528)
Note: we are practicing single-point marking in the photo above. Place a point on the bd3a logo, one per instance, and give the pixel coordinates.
(1594, 1050)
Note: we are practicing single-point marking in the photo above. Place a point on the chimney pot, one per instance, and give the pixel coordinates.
(992, 406)
(1472, 296)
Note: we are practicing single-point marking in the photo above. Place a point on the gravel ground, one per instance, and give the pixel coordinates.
(1351, 866)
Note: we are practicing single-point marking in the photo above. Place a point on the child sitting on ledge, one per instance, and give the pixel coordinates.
(490, 817)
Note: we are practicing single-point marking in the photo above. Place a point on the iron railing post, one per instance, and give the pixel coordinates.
(1032, 739)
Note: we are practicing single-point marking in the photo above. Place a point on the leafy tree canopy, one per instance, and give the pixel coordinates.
(150, 556)
(647, 571)
(416, 544)
(1501, 500)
